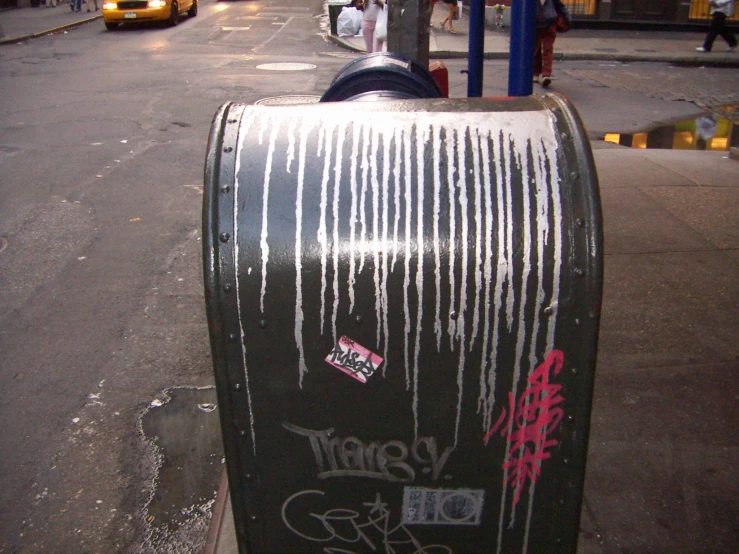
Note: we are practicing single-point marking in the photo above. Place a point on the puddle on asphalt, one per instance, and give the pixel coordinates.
(709, 131)
(186, 431)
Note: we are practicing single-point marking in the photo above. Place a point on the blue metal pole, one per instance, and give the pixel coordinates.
(523, 38)
(476, 48)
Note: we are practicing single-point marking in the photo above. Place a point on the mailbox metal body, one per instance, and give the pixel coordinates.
(403, 300)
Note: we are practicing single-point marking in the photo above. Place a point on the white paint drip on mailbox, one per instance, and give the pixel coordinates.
(368, 189)
(246, 123)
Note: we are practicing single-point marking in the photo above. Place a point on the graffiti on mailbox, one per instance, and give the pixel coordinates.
(423, 506)
(354, 359)
(388, 461)
(370, 528)
(530, 424)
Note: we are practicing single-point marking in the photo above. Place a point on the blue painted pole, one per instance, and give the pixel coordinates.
(523, 38)
(476, 48)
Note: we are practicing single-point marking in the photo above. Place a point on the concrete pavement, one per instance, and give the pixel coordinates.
(26, 23)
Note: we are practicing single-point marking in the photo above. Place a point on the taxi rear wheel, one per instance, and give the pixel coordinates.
(193, 11)
(174, 15)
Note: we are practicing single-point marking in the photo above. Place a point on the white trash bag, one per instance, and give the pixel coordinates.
(349, 22)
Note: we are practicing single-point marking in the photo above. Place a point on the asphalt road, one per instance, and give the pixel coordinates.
(102, 143)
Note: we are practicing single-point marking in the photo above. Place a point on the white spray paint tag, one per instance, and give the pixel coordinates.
(354, 359)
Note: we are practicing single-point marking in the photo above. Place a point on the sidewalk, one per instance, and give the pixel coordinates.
(578, 44)
(25, 23)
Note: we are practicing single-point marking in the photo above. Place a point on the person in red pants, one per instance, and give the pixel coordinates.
(547, 13)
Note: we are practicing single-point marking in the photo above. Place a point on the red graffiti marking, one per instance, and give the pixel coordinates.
(535, 417)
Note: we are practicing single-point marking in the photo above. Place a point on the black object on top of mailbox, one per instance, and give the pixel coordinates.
(381, 76)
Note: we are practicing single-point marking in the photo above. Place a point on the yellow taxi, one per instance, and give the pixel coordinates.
(132, 11)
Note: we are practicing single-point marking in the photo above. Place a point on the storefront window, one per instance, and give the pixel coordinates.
(581, 7)
(699, 9)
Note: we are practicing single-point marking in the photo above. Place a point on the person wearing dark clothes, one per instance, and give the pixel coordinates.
(547, 12)
(720, 10)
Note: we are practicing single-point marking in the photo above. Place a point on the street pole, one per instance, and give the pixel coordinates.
(408, 29)
(523, 38)
(476, 48)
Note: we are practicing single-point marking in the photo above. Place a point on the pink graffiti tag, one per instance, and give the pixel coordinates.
(535, 416)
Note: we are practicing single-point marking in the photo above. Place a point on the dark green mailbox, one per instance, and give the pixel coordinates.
(403, 300)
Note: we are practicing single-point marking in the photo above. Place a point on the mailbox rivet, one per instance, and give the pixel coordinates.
(232, 337)
(574, 371)
(358, 319)
(237, 386)
(565, 461)
(262, 323)
(228, 149)
(564, 136)
(227, 287)
(577, 322)
(573, 175)
(453, 315)
(242, 432)
(580, 222)
(579, 272)
(548, 310)
(225, 189)
(253, 519)
(570, 418)
(224, 237)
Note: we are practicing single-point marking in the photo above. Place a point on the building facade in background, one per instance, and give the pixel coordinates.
(666, 12)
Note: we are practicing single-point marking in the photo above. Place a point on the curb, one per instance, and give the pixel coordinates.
(15, 40)
(686, 61)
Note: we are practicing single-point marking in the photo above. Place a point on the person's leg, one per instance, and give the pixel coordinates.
(452, 13)
(448, 17)
(726, 33)
(717, 23)
(547, 50)
(377, 44)
(537, 54)
(368, 32)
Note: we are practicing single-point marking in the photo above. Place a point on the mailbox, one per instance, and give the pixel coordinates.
(403, 300)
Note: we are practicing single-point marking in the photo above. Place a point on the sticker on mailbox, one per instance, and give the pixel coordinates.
(354, 359)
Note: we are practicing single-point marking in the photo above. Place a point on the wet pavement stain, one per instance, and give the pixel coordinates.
(717, 130)
(186, 432)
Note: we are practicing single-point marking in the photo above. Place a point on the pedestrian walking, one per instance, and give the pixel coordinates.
(89, 7)
(75, 5)
(720, 10)
(450, 18)
(547, 13)
(372, 9)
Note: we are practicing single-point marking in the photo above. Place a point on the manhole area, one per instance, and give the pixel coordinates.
(709, 131)
(187, 433)
(286, 66)
(343, 55)
(287, 100)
